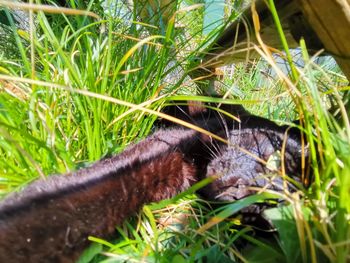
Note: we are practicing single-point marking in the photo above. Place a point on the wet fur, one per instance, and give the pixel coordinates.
(50, 220)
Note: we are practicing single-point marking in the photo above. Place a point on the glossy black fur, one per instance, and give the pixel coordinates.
(50, 220)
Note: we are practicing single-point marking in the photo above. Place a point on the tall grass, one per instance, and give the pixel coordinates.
(57, 115)
(53, 125)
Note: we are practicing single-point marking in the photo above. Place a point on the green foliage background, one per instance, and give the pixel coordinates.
(60, 74)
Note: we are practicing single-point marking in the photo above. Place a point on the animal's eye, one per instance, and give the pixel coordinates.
(274, 161)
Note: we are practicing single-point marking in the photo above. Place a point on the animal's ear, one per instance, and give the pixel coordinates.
(187, 111)
(197, 112)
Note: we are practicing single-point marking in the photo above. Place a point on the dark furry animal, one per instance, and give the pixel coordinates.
(50, 220)
(234, 169)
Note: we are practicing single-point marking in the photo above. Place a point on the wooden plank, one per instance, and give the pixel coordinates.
(331, 22)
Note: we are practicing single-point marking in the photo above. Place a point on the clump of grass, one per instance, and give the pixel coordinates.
(46, 126)
(57, 114)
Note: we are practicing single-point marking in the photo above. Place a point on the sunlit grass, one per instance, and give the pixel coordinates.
(45, 130)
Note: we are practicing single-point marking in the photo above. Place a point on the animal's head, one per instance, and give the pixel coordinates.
(256, 159)
(260, 154)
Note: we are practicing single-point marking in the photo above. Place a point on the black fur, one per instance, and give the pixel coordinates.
(51, 219)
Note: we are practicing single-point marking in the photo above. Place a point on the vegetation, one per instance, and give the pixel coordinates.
(76, 86)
